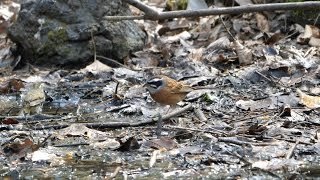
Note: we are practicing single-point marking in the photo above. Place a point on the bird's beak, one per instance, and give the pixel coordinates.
(145, 87)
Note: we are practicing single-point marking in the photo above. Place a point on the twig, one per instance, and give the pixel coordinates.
(265, 77)
(289, 140)
(151, 14)
(50, 127)
(115, 172)
(179, 111)
(225, 27)
(243, 159)
(122, 124)
(31, 118)
(115, 95)
(159, 126)
(117, 86)
(316, 20)
(44, 141)
(141, 123)
(114, 61)
(290, 152)
(127, 67)
(94, 47)
(274, 175)
(233, 140)
(153, 158)
(117, 108)
(200, 114)
(218, 132)
(248, 117)
(72, 145)
(122, 18)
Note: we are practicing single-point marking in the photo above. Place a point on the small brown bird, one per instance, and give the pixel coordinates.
(167, 91)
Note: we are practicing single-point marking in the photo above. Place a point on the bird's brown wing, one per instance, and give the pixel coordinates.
(178, 87)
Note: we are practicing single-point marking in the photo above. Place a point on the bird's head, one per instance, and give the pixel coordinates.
(155, 84)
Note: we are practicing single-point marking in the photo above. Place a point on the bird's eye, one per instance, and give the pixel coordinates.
(155, 83)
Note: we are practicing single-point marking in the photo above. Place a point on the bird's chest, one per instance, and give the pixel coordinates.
(167, 97)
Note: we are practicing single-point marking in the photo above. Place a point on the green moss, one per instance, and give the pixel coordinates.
(58, 36)
(173, 5)
(207, 98)
(55, 43)
(304, 14)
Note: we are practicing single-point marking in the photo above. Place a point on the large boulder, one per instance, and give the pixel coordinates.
(59, 31)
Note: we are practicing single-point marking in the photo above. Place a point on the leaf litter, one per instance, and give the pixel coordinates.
(256, 113)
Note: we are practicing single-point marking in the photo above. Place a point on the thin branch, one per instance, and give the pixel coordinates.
(152, 14)
(127, 67)
(159, 126)
(225, 27)
(293, 147)
(316, 20)
(94, 47)
(149, 12)
(120, 18)
(217, 132)
(121, 124)
(199, 113)
(114, 61)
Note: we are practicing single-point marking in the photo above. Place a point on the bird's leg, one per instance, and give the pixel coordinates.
(171, 107)
(168, 110)
(25, 116)
(159, 125)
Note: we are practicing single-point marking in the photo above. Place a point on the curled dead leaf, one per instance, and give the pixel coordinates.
(309, 32)
(262, 22)
(311, 102)
(244, 54)
(196, 54)
(153, 158)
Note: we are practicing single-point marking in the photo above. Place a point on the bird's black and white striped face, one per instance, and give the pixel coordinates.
(155, 84)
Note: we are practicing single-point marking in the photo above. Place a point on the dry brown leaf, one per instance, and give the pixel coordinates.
(221, 43)
(262, 22)
(196, 54)
(33, 100)
(317, 136)
(7, 60)
(153, 158)
(277, 164)
(80, 130)
(9, 121)
(309, 32)
(173, 26)
(5, 13)
(254, 105)
(11, 85)
(274, 38)
(311, 102)
(244, 54)
(18, 146)
(96, 67)
(144, 59)
(163, 143)
(7, 104)
(8, 14)
(314, 42)
(184, 35)
(128, 143)
(314, 31)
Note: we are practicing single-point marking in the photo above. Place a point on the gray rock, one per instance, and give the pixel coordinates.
(59, 32)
